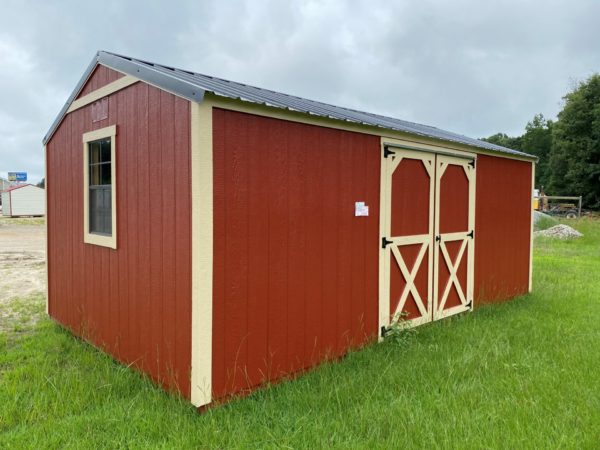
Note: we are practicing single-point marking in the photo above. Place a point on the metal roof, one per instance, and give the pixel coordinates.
(192, 86)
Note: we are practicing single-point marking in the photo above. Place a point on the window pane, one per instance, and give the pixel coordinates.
(100, 206)
(105, 150)
(105, 180)
(94, 152)
(95, 174)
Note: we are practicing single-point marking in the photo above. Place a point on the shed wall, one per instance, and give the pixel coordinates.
(502, 228)
(28, 201)
(295, 272)
(135, 301)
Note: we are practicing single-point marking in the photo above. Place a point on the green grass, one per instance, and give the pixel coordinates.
(524, 374)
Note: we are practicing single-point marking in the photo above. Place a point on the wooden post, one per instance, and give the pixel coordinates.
(579, 213)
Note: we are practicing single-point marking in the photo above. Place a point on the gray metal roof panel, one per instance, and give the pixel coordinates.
(193, 85)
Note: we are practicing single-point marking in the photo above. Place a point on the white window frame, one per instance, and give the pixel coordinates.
(94, 238)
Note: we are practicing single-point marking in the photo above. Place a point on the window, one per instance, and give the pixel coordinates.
(99, 187)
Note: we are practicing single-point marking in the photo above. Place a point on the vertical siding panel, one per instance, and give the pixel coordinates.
(167, 126)
(296, 283)
(359, 226)
(277, 145)
(182, 307)
(168, 240)
(345, 255)
(147, 191)
(131, 192)
(218, 342)
(314, 251)
(123, 234)
(156, 215)
(330, 239)
(236, 254)
(258, 255)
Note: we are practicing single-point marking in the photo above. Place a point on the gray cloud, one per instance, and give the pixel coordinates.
(466, 66)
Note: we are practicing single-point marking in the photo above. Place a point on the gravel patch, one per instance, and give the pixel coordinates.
(560, 232)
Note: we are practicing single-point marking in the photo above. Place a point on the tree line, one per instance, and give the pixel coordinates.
(568, 148)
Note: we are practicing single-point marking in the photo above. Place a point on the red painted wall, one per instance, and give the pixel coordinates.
(502, 228)
(295, 272)
(134, 302)
(101, 76)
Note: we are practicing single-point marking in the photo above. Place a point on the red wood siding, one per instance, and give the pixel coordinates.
(134, 302)
(502, 228)
(295, 273)
(101, 76)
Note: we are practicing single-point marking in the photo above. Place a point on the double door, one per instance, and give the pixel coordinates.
(427, 235)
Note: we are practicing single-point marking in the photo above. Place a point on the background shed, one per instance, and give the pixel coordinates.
(23, 200)
(256, 234)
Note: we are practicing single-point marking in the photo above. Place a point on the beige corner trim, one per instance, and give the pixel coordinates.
(110, 88)
(202, 252)
(46, 224)
(412, 140)
(531, 233)
(91, 238)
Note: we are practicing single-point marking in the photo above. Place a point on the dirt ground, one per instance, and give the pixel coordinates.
(22, 268)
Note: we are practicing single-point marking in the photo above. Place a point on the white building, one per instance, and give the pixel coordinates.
(23, 200)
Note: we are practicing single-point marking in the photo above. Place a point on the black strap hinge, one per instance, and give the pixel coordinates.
(387, 152)
(472, 163)
(385, 242)
(384, 331)
(470, 304)
(438, 238)
(471, 234)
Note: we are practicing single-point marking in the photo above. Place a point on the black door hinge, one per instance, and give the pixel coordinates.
(472, 163)
(387, 152)
(383, 331)
(385, 242)
(468, 305)
(471, 234)
(438, 238)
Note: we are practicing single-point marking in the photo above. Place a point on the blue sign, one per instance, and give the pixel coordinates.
(17, 176)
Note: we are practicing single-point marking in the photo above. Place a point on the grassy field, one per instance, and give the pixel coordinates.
(525, 374)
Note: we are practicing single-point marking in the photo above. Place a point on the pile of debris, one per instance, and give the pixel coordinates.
(560, 232)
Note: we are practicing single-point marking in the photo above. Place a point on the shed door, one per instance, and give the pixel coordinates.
(454, 235)
(427, 216)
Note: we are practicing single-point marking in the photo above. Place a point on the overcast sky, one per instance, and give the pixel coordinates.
(466, 66)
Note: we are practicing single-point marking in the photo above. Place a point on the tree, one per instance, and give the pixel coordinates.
(42, 184)
(575, 156)
(537, 141)
(504, 140)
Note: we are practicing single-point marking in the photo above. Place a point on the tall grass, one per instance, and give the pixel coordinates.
(523, 374)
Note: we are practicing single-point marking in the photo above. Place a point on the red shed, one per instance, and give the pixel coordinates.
(217, 236)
